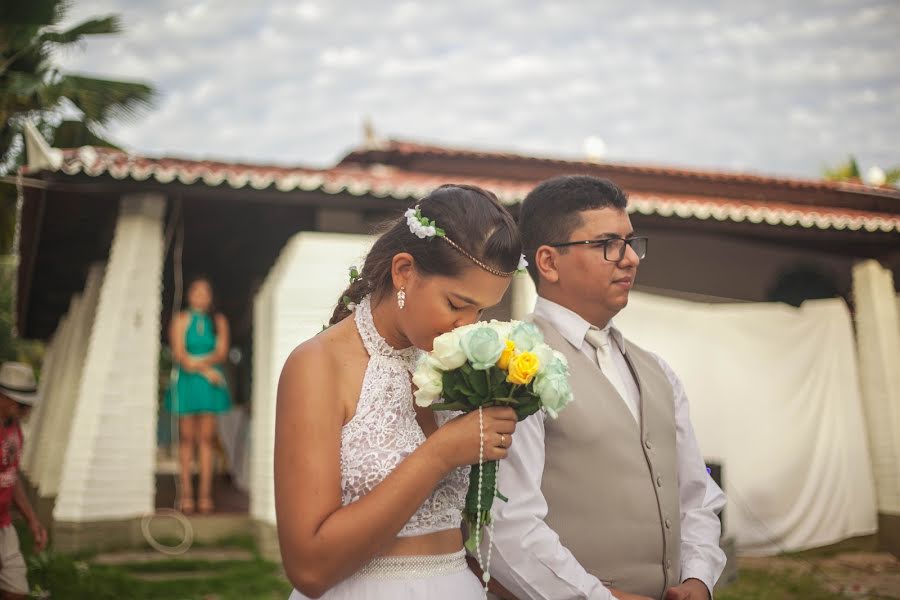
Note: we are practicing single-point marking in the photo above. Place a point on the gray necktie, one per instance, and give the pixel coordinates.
(600, 340)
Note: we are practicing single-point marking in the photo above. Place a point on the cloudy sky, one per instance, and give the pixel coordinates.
(766, 86)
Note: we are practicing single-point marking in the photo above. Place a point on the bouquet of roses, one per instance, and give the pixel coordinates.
(494, 363)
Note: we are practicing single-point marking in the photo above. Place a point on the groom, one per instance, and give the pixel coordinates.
(612, 499)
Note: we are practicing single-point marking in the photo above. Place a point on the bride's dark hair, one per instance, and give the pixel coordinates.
(470, 216)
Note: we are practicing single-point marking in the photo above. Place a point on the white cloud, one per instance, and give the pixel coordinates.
(708, 85)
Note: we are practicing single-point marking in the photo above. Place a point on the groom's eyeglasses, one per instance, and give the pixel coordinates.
(613, 248)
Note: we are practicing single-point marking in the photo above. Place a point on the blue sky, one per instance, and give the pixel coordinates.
(767, 86)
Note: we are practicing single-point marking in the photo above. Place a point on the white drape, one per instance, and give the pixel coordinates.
(775, 398)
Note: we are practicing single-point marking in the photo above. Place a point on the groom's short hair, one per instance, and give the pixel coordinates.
(551, 211)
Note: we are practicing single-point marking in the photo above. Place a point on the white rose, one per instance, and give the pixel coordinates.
(428, 382)
(447, 351)
(544, 354)
(551, 360)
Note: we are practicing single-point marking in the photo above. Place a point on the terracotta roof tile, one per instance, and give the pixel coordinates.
(386, 181)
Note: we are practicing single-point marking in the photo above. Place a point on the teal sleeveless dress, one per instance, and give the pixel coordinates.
(192, 393)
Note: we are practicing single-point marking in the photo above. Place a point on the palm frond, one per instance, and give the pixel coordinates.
(33, 12)
(74, 134)
(17, 84)
(102, 26)
(101, 100)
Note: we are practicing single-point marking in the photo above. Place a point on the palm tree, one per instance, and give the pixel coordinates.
(849, 171)
(846, 171)
(32, 87)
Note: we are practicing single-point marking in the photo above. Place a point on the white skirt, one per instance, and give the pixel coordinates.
(440, 577)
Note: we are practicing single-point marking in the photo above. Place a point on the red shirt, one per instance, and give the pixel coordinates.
(10, 454)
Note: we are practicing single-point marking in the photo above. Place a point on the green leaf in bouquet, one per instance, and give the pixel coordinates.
(478, 381)
(528, 405)
(455, 388)
(499, 385)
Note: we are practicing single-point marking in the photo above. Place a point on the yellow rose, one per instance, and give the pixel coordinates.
(503, 361)
(523, 368)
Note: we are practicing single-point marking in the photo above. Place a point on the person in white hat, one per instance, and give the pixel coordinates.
(18, 393)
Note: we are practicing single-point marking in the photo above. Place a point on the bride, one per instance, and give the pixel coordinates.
(369, 488)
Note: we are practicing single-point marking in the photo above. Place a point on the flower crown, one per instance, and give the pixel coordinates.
(422, 227)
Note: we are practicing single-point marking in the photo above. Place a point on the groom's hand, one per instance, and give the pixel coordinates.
(620, 595)
(691, 589)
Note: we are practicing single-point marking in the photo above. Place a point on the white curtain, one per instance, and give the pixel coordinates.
(774, 395)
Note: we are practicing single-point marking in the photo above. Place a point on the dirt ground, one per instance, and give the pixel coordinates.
(863, 575)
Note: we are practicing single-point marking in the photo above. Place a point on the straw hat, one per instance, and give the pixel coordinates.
(17, 382)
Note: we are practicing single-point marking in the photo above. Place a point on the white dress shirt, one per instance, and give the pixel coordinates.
(528, 557)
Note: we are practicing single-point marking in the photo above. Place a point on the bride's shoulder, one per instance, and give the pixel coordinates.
(317, 373)
(329, 351)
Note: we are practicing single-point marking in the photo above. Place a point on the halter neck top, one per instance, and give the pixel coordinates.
(384, 431)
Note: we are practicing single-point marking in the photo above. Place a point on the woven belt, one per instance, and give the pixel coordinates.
(414, 567)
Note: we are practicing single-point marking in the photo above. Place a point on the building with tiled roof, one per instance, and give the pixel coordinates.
(801, 221)
(102, 232)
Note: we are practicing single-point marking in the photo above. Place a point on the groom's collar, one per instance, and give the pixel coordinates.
(570, 324)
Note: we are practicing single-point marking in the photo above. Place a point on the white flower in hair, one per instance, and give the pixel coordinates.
(421, 227)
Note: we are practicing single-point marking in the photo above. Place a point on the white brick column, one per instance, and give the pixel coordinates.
(50, 439)
(878, 342)
(295, 300)
(107, 470)
(31, 429)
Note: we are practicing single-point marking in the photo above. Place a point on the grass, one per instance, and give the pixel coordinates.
(68, 579)
(72, 577)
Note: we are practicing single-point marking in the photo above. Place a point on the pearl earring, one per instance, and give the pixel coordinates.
(401, 297)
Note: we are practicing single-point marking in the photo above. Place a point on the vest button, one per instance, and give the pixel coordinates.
(668, 524)
(647, 444)
(659, 481)
(668, 564)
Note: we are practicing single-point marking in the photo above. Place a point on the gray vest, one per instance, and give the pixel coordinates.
(612, 485)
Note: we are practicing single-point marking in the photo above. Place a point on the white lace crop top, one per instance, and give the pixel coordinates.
(384, 431)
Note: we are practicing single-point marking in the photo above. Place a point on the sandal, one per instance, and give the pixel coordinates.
(186, 506)
(206, 506)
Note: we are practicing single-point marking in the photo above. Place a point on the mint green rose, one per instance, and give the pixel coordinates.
(554, 391)
(526, 336)
(482, 347)
(501, 327)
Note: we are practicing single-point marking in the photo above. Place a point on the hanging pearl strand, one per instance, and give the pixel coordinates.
(490, 538)
(478, 523)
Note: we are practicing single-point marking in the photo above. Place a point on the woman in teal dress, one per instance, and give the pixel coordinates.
(200, 340)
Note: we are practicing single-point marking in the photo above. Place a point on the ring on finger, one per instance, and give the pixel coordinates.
(503, 440)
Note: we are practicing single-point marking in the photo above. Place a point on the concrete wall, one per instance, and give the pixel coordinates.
(713, 266)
